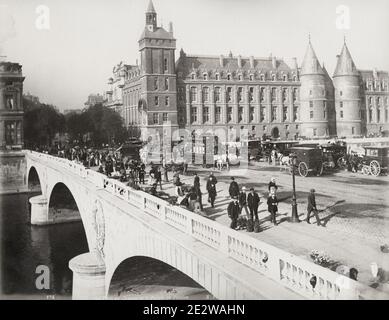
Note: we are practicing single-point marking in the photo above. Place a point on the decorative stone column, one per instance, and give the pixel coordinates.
(88, 276)
(39, 210)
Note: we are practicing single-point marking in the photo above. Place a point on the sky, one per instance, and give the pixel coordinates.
(71, 55)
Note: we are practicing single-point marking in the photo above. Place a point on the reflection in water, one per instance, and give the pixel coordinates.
(24, 247)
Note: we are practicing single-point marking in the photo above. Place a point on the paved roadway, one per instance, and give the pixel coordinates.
(353, 207)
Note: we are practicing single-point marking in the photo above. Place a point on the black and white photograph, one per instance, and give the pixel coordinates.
(196, 150)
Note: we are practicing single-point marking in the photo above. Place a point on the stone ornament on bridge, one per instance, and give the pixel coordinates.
(99, 227)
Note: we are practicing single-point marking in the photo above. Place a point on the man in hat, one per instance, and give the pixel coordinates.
(211, 188)
(253, 203)
(233, 211)
(272, 207)
(243, 201)
(196, 181)
(312, 208)
(234, 188)
(272, 184)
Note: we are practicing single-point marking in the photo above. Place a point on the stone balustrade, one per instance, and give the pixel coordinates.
(303, 277)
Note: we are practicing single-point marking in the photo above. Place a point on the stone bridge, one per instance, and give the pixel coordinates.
(121, 223)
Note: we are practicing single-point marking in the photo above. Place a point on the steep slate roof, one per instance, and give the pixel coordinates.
(311, 64)
(159, 33)
(187, 63)
(150, 8)
(369, 74)
(345, 65)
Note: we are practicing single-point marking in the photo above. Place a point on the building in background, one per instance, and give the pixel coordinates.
(11, 106)
(94, 99)
(230, 93)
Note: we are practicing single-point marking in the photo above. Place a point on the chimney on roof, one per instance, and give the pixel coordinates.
(221, 60)
(274, 62)
(239, 61)
(375, 73)
(171, 27)
(251, 62)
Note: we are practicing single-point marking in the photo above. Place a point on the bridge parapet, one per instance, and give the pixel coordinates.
(303, 277)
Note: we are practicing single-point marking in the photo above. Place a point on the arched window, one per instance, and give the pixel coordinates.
(240, 77)
(285, 77)
(193, 76)
(273, 77)
(262, 77)
(229, 77)
(205, 76)
(251, 77)
(217, 77)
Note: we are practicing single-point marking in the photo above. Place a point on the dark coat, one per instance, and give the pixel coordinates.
(196, 182)
(233, 210)
(242, 198)
(311, 202)
(234, 189)
(253, 200)
(272, 204)
(211, 188)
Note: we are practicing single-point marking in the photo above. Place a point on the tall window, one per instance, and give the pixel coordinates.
(240, 78)
(217, 94)
(164, 117)
(262, 94)
(341, 114)
(285, 95)
(217, 77)
(370, 114)
(310, 114)
(193, 94)
(341, 104)
(311, 104)
(240, 114)
(378, 115)
(165, 65)
(251, 94)
(352, 130)
(273, 94)
(273, 113)
(252, 114)
(251, 77)
(156, 101)
(13, 132)
(155, 118)
(205, 76)
(240, 94)
(285, 114)
(166, 83)
(295, 113)
(262, 77)
(386, 115)
(166, 101)
(228, 77)
(155, 83)
(295, 92)
(262, 114)
(229, 114)
(205, 114)
(218, 114)
(228, 94)
(205, 94)
(314, 132)
(194, 114)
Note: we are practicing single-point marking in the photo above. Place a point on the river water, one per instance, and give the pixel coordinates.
(25, 247)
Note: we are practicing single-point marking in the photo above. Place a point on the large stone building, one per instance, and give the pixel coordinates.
(11, 106)
(263, 95)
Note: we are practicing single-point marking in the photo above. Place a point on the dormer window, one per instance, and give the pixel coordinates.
(273, 77)
(205, 76)
(193, 76)
(251, 77)
(262, 77)
(240, 78)
(285, 77)
(217, 76)
(295, 78)
(229, 77)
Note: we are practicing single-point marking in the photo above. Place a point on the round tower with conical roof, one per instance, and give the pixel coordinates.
(347, 96)
(314, 108)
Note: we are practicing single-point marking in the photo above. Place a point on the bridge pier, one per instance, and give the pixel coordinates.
(39, 210)
(88, 276)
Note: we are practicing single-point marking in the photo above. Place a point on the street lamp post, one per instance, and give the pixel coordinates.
(295, 217)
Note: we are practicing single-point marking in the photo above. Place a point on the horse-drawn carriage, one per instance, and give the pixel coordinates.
(308, 160)
(334, 156)
(375, 161)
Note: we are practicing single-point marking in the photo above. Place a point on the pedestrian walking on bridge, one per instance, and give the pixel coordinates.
(233, 211)
(312, 208)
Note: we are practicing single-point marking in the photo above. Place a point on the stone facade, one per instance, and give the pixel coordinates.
(263, 95)
(11, 106)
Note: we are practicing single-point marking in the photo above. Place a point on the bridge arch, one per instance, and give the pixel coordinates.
(140, 270)
(33, 180)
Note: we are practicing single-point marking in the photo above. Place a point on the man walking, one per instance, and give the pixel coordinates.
(253, 203)
(158, 177)
(196, 181)
(211, 188)
(234, 188)
(312, 208)
(243, 201)
(272, 207)
(233, 211)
